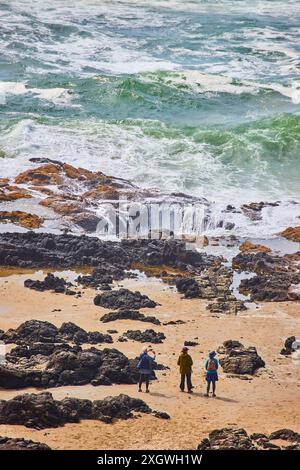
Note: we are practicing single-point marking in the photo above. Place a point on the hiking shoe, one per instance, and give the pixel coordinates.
(140, 390)
(206, 395)
(190, 391)
(214, 395)
(147, 391)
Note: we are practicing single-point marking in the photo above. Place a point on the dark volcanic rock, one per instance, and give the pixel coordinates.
(147, 336)
(227, 438)
(240, 360)
(287, 350)
(35, 250)
(41, 411)
(128, 315)
(230, 307)
(238, 439)
(37, 331)
(69, 366)
(285, 435)
(18, 443)
(191, 343)
(104, 275)
(31, 331)
(189, 287)
(51, 282)
(259, 263)
(271, 288)
(123, 299)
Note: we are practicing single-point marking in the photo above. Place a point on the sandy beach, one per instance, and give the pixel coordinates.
(264, 402)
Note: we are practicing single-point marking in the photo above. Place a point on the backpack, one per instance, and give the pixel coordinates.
(211, 366)
(144, 362)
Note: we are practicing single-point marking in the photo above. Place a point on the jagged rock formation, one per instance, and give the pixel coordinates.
(44, 250)
(126, 314)
(147, 336)
(67, 366)
(238, 439)
(51, 282)
(18, 443)
(287, 350)
(123, 299)
(275, 276)
(41, 411)
(37, 331)
(238, 359)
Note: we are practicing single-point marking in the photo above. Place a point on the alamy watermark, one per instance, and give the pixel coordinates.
(153, 220)
(2, 352)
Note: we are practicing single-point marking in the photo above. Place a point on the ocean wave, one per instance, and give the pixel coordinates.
(58, 96)
(247, 162)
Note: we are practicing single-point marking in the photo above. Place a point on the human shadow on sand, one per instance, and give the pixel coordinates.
(202, 395)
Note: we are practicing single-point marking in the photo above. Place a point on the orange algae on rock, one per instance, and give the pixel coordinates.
(24, 219)
(291, 233)
(248, 246)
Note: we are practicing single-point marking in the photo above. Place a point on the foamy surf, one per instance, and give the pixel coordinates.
(58, 96)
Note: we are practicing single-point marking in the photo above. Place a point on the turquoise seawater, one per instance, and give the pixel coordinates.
(196, 96)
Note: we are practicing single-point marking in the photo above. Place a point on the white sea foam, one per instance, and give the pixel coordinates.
(59, 96)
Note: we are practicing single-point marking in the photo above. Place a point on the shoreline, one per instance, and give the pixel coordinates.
(262, 403)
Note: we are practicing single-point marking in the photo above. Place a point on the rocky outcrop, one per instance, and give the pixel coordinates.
(228, 307)
(248, 246)
(292, 233)
(147, 336)
(51, 282)
(44, 250)
(37, 331)
(227, 439)
(41, 411)
(287, 350)
(238, 359)
(123, 299)
(24, 219)
(18, 443)
(69, 366)
(238, 439)
(285, 435)
(125, 314)
(189, 287)
(253, 210)
(275, 287)
(104, 274)
(275, 276)
(259, 263)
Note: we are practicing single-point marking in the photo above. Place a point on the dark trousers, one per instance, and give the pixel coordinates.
(188, 381)
(144, 378)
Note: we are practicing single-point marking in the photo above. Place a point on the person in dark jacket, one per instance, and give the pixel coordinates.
(211, 367)
(145, 367)
(185, 363)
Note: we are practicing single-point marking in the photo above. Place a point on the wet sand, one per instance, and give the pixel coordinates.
(263, 403)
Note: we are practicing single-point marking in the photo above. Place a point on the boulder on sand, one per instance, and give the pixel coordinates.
(38, 331)
(123, 299)
(41, 411)
(189, 287)
(240, 360)
(238, 439)
(73, 366)
(125, 314)
(147, 336)
(51, 282)
(287, 350)
(18, 443)
(227, 439)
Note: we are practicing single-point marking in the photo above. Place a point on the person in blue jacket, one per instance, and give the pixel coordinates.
(145, 367)
(211, 367)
